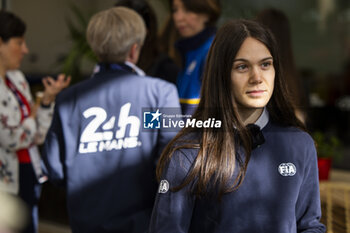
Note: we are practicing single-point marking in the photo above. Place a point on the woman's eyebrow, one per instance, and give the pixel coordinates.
(267, 58)
(245, 60)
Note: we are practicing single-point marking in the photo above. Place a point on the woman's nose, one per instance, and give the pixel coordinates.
(178, 15)
(25, 49)
(255, 75)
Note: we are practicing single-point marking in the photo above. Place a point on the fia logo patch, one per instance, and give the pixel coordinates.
(163, 186)
(287, 169)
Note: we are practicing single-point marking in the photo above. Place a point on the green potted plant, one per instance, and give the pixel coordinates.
(80, 53)
(328, 149)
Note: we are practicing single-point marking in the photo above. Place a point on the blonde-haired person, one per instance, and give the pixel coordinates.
(96, 147)
(117, 25)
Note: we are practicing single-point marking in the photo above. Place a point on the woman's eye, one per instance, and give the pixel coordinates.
(174, 9)
(266, 65)
(241, 67)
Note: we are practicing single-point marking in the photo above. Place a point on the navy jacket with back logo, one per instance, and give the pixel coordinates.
(97, 149)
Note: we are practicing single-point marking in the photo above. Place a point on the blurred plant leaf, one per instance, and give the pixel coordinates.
(79, 15)
(328, 146)
(72, 62)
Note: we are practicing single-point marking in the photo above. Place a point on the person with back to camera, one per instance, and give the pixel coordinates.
(195, 22)
(255, 173)
(96, 147)
(23, 124)
(152, 60)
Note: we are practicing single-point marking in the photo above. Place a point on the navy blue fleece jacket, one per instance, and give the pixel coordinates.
(280, 192)
(97, 149)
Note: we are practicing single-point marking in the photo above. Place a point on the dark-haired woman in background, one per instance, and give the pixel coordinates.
(258, 171)
(23, 125)
(195, 22)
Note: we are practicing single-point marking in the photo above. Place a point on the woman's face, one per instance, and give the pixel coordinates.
(253, 75)
(12, 52)
(186, 22)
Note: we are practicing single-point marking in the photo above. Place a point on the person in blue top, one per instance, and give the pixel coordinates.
(195, 22)
(97, 147)
(257, 172)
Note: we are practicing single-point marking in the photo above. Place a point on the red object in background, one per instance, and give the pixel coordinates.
(324, 167)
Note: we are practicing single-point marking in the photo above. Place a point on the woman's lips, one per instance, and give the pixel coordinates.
(255, 93)
(181, 29)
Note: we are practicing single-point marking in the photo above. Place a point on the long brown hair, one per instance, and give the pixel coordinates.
(217, 158)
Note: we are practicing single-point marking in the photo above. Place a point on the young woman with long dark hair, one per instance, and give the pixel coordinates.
(258, 171)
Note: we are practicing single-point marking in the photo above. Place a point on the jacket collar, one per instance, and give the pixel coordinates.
(191, 43)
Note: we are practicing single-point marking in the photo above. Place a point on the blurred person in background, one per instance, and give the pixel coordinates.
(23, 123)
(97, 147)
(154, 62)
(277, 22)
(195, 22)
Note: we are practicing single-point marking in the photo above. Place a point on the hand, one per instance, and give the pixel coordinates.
(53, 87)
(34, 110)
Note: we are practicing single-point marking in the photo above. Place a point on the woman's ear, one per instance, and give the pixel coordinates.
(134, 53)
(206, 19)
(1, 42)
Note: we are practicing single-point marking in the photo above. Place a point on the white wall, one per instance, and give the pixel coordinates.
(47, 34)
